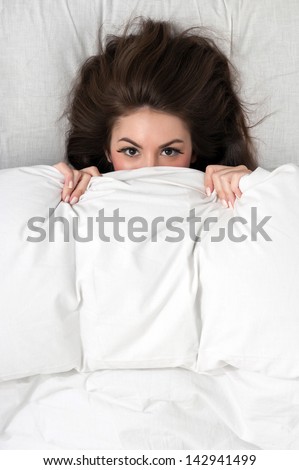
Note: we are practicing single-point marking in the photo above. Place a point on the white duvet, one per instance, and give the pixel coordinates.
(198, 338)
(150, 409)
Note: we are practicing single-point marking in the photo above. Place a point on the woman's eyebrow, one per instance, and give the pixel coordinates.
(174, 141)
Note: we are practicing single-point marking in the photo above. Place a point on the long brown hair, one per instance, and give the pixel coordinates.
(182, 73)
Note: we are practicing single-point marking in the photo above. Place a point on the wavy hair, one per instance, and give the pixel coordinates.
(182, 73)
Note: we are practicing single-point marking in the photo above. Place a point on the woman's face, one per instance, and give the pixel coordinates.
(147, 137)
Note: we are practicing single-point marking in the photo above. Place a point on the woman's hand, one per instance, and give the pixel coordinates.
(225, 181)
(76, 181)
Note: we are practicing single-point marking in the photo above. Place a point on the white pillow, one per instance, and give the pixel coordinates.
(250, 289)
(140, 305)
(39, 316)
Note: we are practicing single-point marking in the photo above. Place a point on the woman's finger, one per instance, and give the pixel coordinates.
(235, 182)
(81, 183)
(221, 183)
(76, 181)
(66, 191)
(208, 178)
(80, 187)
(225, 181)
(68, 174)
(92, 171)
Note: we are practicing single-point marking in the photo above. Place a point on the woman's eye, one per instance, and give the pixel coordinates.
(129, 151)
(171, 152)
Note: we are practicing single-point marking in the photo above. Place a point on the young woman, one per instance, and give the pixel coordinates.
(157, 97)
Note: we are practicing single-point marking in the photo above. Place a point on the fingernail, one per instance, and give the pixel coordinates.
(74, 200)
(70, 185)
(238, 197)
(208, 191)
(67, 198)
(230, 205)
(224, 203)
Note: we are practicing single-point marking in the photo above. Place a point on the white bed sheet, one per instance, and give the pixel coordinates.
(150, 409)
